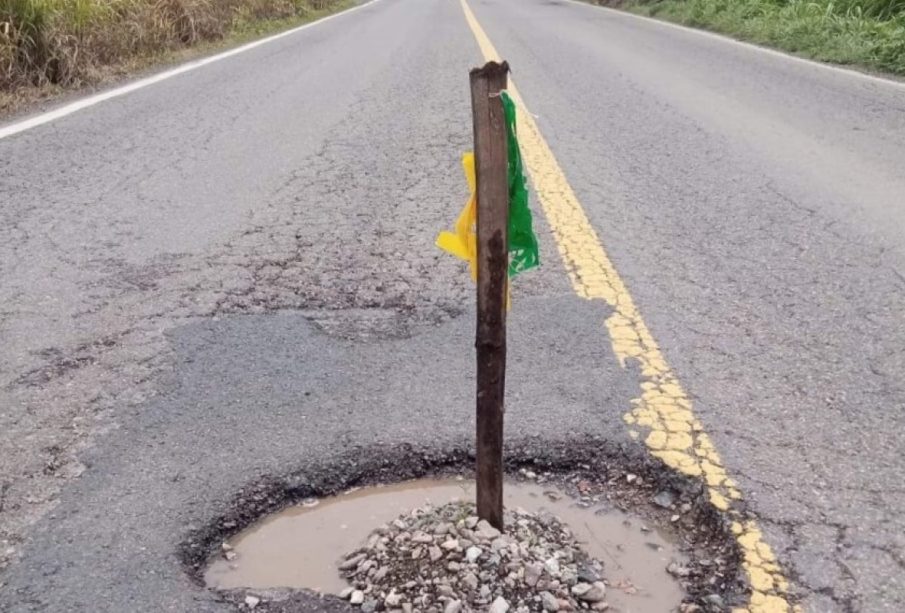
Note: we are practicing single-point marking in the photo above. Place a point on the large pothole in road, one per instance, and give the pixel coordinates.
(662, 546)
(430, 553)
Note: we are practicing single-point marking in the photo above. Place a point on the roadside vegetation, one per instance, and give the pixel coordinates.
(47, 46)
(867, 33)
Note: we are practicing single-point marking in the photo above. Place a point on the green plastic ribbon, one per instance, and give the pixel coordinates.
(523, 252)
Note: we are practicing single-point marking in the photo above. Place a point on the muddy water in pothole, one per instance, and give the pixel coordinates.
(301, 546)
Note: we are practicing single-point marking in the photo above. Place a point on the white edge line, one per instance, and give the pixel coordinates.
(78, 105)
(747, 45)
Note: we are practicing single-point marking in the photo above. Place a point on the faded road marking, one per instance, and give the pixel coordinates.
(662, 409)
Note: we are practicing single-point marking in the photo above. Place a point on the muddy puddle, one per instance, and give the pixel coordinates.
(300, 547)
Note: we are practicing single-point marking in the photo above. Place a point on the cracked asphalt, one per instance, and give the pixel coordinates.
(230, 275)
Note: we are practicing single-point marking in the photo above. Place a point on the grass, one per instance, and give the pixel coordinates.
(48, 47)
(866, 33)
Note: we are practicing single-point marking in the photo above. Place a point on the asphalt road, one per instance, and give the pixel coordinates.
(229, 275)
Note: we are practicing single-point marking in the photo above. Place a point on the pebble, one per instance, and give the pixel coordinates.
(357, 597)
(473, 553)
(549, 601)
(500, 605)
(252, 601)
(453, 606)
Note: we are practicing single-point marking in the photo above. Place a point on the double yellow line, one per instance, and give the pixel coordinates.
(662, 409)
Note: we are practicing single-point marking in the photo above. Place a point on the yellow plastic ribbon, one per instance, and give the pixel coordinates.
(463, 243)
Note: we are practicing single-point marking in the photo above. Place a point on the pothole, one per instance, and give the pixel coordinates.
(303, 546)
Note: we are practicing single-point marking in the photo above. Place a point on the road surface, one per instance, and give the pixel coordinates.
(229, 274)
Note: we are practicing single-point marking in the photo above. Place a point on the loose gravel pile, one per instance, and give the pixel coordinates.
(443, 559)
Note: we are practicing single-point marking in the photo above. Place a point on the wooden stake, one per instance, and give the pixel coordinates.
(491, 169)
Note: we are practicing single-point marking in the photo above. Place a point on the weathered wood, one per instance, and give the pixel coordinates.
(491, 160)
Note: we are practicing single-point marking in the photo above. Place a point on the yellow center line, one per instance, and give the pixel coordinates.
(662, 409)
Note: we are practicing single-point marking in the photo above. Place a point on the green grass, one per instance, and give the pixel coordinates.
(50, 46)
(865, 33)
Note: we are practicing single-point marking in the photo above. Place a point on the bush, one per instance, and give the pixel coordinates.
(869, 33)
(67, 42)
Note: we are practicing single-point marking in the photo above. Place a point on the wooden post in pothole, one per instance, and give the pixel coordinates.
(491, 171)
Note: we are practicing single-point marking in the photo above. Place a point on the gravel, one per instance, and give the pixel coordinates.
(445, 560)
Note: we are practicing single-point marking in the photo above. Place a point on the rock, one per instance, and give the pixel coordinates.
(357, 597)
(716, 600)
(252, 601)
(353, 561)
(580, 589)
(422, 537)
(552, 567)
(453, 606)
(380, 574)
(451, 545)
(393, 599)
(407, 607)
(596, 593)
(485, 531)
(470, 580)
(435, 553)
(678, 570)
(471, 522)
(230, 555)
(500, 605)
(533, 573)
(664, 499)
(589, 573)
(473, 553)
(549, 601)
(346, 592)
(369, 606)
(600, 606)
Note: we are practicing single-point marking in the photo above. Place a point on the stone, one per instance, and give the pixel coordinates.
(678, 570)
(422, 537)
(500, 605)
(357, 597)
(473, 553)
(393, 599)
(353, 561)
(453, 606)
(252, 601)
(552, 567)
(595, 593)
(346, 592)
(533, 573)
(451, 545)
(470, 580)
(485, 531)
(664, 499)
(580, 589)
(435, 553)
(549, 601)
(369, 606)
(589, 573)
